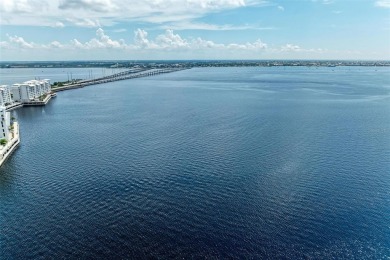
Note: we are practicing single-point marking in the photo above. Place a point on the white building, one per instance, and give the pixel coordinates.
(22, 92)
(5, 119)
(9, 135)
(47, 86)
(5, 95)
(30, 90)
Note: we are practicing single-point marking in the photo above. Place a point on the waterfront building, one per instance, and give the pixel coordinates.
(41, 87)
(9, 134)
(47, 85)
(5, 123)
(22, 92)
(34, 88)
(5, 95)
(30, 90)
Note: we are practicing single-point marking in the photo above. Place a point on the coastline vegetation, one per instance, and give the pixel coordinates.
(64, 83)
(3, 141)
(41, 98)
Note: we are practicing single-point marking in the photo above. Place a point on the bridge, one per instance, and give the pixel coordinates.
(128, 74)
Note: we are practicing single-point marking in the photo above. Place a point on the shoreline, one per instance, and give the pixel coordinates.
(158, 64)
(11, 146)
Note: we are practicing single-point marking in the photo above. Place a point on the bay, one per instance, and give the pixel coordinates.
(289, 162)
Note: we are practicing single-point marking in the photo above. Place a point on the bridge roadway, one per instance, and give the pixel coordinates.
(128, 74)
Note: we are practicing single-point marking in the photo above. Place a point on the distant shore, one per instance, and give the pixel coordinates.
(187, 63)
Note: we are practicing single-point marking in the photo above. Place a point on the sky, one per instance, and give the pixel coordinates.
(39, 30)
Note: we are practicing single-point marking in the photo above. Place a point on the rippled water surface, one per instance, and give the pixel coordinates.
(210, 163)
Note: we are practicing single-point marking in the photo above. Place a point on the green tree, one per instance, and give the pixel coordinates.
(3, 141)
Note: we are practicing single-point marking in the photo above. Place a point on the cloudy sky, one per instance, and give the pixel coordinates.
(194, 29)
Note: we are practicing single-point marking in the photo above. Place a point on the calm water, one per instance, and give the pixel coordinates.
(205, 163)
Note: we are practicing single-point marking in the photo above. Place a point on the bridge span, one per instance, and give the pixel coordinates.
(128, 74)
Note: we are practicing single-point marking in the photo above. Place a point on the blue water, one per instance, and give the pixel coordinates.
(205, 163)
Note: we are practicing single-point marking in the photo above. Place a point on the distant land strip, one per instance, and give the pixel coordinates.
(155, 64)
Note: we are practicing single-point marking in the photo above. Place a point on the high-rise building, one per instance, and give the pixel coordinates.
(9, 135)
(5, 119)
(5, 95)
(30, 90)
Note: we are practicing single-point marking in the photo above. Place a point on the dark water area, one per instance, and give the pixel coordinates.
(205, 163)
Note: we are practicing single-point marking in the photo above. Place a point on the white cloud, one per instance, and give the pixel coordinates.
(281, 8)
(107, 12)
(76, 44)
(290, 47)
(84, 22)
(325, 2)
(58, 25)
(102, 41)
(163, 46)
(188, 25)
(16, 41)
(23, 6)
(383, 3)
(120, 30)
(215, 4)
(159, 46)
(257, 45)
(141, 38)
(55, 45)
(170, 40)
(107, 41)
(199, 43)
(4, 45)
(89, 5)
